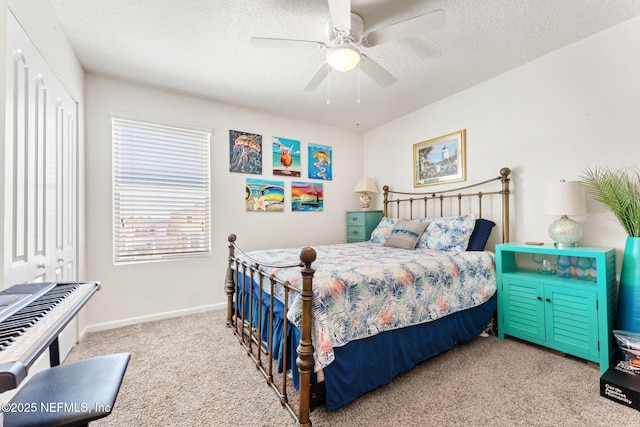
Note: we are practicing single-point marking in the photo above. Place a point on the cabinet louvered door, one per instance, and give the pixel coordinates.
(572, 321)
(41, 168)
(523, 309)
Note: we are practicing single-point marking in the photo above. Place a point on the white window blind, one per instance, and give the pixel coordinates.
(160, 191)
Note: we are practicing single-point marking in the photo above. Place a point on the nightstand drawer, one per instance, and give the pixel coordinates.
(356, 233)
(356, 219)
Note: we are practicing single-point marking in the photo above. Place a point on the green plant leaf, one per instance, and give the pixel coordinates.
(619, 190)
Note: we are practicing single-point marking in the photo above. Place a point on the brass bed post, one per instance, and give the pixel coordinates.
(305, 348)
(230, 287)
(504, 177)
(386, 200)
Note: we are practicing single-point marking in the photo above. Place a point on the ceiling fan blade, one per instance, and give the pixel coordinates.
(375, 71)
(317, 78)
(286, 43)
(410, 28)
(340, 12)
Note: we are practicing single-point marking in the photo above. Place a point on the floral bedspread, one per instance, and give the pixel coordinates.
(361, 289)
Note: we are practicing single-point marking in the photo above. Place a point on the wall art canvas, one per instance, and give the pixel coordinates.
(263, 195)
(320, 162)
(307, 196)
(245, 152)
(286, 157)
(440, 160)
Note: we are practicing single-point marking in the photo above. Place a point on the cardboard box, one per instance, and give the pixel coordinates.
(621, 384)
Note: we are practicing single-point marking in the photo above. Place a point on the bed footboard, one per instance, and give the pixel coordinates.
(250, 313)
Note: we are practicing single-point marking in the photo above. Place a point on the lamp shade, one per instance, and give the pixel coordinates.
(564, 198)
(366, 185)
(343, 57)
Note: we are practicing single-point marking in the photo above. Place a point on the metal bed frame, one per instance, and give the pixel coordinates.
(250, 336)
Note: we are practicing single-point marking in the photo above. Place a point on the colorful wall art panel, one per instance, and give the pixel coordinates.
(245, 152)
(307, 196)
(320, 162)
(264, 196)
(286, 157)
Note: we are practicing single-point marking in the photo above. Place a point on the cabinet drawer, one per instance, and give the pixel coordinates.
(356, 233)
(356, 219)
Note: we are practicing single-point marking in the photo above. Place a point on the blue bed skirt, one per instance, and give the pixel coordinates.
(366, 364)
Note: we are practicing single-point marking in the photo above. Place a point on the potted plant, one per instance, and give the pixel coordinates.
(619, 190)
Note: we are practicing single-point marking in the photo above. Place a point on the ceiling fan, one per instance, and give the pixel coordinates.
(345, 33)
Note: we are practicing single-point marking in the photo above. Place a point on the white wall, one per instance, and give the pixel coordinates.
(575, 108)
(141, 291)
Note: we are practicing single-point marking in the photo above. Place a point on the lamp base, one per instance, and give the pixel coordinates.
(565, 245)
(565, 232)
(365, 201)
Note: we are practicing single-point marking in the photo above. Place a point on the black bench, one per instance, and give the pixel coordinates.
(73, 394)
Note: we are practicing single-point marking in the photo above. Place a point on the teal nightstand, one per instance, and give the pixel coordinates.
(572, 314)
(360, 224)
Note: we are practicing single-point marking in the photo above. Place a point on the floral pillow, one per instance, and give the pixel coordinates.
(381, 233)
(448, 233)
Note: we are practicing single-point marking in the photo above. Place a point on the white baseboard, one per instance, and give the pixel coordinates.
(158, 316)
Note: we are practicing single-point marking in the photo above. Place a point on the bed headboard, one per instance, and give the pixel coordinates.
(456, 201)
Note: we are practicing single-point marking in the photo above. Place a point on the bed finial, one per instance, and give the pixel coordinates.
(308, 255)
(231, 238)
(505, 172)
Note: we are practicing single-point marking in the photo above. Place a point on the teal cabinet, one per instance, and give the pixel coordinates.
(360, 224)
(571, 309)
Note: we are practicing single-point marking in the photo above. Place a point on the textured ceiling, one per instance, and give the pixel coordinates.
(202, 47)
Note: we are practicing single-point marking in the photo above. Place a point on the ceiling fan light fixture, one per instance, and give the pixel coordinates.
(343, 57)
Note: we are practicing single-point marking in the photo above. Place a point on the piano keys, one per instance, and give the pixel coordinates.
(31, 318)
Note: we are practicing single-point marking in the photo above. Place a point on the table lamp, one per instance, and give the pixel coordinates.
(565, 198)
(364, 187)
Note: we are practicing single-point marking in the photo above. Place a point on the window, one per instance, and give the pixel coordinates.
(160, 192)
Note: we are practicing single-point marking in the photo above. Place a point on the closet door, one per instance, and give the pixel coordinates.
(40, 175)
(40, 169)
(63, 217)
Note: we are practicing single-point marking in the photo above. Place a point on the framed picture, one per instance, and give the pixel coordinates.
(440, 160)
(307, 196)
(263, 195)
(320, 162)
(286, 157)
(245, 152)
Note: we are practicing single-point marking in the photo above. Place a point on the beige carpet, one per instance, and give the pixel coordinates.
(190, 371)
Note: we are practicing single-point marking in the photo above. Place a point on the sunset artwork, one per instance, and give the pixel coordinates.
(286, 157)
(320, 162)
(307, 196)
(264, 196)
(245, 152)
